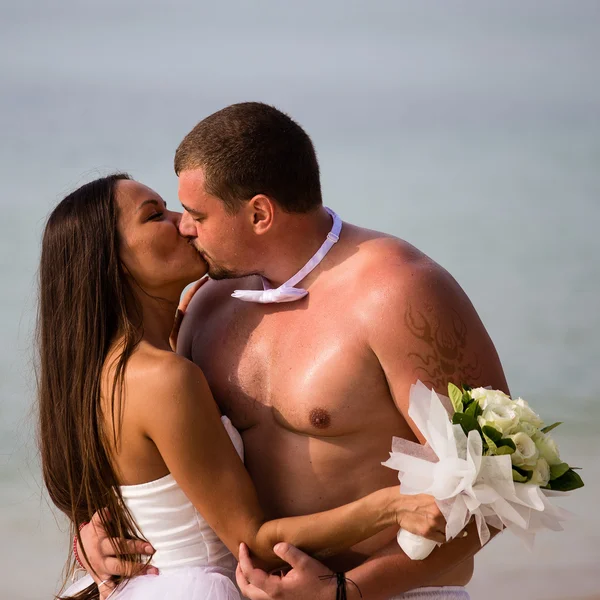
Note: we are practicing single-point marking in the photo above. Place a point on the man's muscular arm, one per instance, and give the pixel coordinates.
(427, 330)
(390, 572)
(420, 325)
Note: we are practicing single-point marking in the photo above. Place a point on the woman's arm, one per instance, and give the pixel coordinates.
(182, 419)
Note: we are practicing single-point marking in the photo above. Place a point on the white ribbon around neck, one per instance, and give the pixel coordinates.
(286, 292)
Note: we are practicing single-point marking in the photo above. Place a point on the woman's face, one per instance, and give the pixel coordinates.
(152, 249)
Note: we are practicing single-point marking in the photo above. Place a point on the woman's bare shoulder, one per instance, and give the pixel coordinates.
(154, 378)
(166, 393)
(152, 368)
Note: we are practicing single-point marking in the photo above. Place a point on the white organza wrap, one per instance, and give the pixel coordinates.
(465, 484)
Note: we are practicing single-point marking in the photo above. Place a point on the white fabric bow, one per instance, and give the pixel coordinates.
(286, 292)
(268, 296)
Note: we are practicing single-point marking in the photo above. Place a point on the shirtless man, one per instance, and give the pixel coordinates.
(317, 386)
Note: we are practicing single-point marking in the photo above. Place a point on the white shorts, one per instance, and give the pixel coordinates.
(449, 592)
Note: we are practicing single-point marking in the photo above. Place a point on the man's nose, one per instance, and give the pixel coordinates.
(186, 225)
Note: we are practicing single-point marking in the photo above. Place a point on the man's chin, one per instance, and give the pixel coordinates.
(219, 274)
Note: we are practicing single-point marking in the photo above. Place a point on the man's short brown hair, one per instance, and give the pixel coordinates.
(252, 148)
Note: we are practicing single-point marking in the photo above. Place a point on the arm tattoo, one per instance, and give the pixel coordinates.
(445, 358)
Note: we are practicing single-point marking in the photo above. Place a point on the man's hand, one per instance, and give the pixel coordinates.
(102, 562)
(180, 313)
(302, 582)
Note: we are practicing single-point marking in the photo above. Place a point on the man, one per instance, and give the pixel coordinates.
(317, 382)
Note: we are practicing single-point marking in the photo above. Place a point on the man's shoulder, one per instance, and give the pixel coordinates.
(210, 298)
(212, 293)
(207, 304)
(418, 320)
(390, 276)
(390, 265)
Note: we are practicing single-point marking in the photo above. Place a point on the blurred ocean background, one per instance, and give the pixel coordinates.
(471, 129)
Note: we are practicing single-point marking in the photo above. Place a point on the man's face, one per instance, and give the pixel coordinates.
(222, 239)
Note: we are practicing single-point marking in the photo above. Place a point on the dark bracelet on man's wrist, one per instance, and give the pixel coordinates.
(341, 580)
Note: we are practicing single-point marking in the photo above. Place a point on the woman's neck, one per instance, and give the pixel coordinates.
(157, 315)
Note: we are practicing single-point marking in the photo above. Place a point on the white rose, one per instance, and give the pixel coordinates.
(526, 414)
(478, 393)
(529, 429)
(548, 449)
(501, 417)
(541, 473)
(526, 454)
(488, 397)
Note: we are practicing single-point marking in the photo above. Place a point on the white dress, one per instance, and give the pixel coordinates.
(193, 562)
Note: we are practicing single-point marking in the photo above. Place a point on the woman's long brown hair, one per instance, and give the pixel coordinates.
(86, 305)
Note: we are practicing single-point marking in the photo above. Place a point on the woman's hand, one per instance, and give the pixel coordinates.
(102, 562)
(420, 515)
(180, 312)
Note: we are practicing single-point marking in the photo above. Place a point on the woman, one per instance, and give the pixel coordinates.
(128, 426)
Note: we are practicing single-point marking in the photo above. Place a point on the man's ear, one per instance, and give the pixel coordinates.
(261, 211)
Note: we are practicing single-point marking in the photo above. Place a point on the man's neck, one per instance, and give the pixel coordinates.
(298, 240)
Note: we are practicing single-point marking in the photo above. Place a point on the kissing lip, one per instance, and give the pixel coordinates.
(200, 254)
(191, 243)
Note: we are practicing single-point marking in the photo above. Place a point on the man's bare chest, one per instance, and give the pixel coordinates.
(311, 374)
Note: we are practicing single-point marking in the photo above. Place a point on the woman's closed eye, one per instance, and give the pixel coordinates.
(155, 216)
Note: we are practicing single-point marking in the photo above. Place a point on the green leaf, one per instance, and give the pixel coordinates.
(493, 449)
(567, 482)
(467, 422)
(550, 427)
(474, 409)
(455, 397)
(502, 450)
(471, 408)
(518, 477)
(506, 442)
(559, 470)
(492, 433)
(527, 474)
(467, 398)
(466, 387)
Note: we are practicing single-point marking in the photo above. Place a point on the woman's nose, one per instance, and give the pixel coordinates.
(175, 217)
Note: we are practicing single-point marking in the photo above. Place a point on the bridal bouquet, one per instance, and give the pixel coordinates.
(492, 460)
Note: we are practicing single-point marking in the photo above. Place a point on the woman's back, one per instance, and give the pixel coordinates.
(175, 529)
(134, 455)
(163, 514)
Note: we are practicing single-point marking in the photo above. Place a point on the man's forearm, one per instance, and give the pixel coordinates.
(390, 572)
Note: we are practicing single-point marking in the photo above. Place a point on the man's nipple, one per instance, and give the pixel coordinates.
(319, 418)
